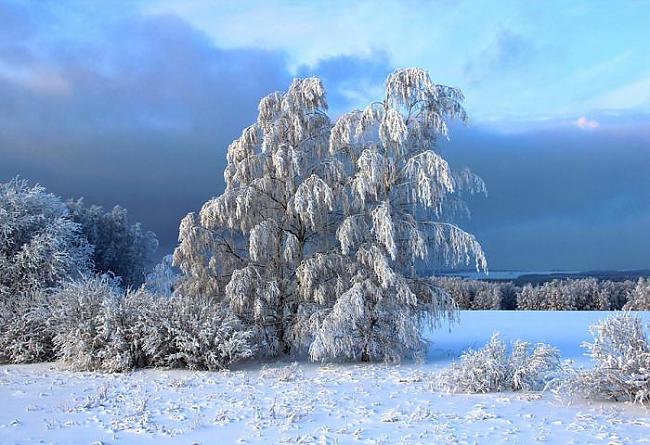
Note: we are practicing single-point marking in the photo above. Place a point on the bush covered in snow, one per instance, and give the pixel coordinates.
(98, 326)
(639, 298)
(194, 333)
(621, 350)
(91, 330)
(120, 248)
(25, 331)
(492, 368)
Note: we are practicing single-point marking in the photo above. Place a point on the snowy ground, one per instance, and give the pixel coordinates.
(306, 403)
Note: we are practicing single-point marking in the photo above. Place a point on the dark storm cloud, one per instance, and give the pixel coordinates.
(140, 117)
(566, 199)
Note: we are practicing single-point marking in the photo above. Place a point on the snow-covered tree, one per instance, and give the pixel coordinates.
(488, 296)
(316, 240)
(120, 248)
(39, 244)
(163, 278)
(639, 297)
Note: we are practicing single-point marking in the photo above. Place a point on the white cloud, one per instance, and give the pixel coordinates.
(42, 80)
(586, 124)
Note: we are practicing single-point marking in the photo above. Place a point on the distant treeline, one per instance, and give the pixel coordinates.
(581, 294)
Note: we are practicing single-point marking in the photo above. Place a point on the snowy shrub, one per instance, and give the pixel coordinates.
(639, 297)
(289, 373)
(315, 241)
(39, 244)
(25, 332)
(88, 333)
(120, 248)
(100, 327)
(194, 333)
(621, 350)
(492, 369)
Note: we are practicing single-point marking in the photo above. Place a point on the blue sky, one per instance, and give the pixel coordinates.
(515, 60)
(135, 102)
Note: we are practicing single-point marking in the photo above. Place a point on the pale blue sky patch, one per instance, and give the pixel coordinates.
(514, 60)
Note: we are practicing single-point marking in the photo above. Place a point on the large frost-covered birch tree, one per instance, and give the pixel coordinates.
(316, 240)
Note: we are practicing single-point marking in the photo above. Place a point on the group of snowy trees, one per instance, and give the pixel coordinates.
(568, 294)
(46, 243)
(315, 243)
(123, 249)
(313, 247)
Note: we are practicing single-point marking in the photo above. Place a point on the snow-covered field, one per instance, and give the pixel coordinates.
(308, 403)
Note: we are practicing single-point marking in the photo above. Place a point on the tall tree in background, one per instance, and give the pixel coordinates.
(121, 248)
(315, 241)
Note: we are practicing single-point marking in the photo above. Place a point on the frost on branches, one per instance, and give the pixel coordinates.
(100, 327)
(639, 298)
(316, 241)
(39, 244)
(492, 369)
(621, 350)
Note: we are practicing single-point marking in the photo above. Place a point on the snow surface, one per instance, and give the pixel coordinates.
(306, 403)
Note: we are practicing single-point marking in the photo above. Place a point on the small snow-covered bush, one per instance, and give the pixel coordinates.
(621, 350)
(639, 298)
(194, 332)
(492, 369)
(25, 334)
(90, 325)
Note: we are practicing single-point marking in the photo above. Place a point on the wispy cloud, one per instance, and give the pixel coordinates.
(635, 94)
(586, 124)
(508, 50)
